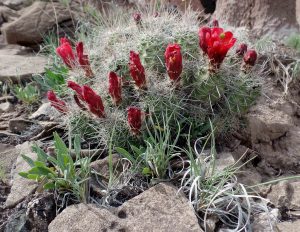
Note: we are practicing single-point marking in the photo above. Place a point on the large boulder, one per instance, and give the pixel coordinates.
(15, 4)
(275, 18)
(160, 208)
(35, 22)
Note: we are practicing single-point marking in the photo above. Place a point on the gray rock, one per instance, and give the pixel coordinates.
(19, 125)
(158, 209)
(266, 222)
(16, 4)
(14, 49)
(35, 22)
(33, 214)
(286, 194)
(16, 67)
(224, 160)
(8, 156)
(6, 107)
(7, 15)
(21, 187)
(289, 226)
(45, 110)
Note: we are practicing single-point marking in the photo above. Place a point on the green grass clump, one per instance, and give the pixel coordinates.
(28, 94)
(294, 41)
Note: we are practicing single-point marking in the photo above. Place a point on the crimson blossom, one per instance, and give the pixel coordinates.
(93, 101)
(83, 60)
(58, 104)
(173, 60)
(137, 70)
(115, 87)
(134, 119)
(215, 43)
(65, 51)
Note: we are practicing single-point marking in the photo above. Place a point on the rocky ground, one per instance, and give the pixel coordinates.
(272, 130)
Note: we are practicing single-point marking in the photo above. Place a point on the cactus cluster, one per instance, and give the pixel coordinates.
(168, 65)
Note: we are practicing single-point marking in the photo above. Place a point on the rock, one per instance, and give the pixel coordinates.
(14, 49)
(275, 137)
(6, 107)
(224, 160)
(266, 222)
(158, 209)
(32, 215)
(286, 194)
(102, 166)
(45, 112)
(289, 226)
(16, 67)
(35, 22)
(249, 177)
(21, 187)
(41, 211)
(9, 138)
(8, 156)
(7, 15)
(16, 4)
(19, 125)
(275, 18)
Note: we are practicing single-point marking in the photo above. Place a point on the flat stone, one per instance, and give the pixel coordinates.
(21, 187)
(16, 67)
(14, 49)
(161, 208)
(266, 222)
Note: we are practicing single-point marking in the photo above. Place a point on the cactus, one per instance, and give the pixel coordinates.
(152, 49)
(189, 43)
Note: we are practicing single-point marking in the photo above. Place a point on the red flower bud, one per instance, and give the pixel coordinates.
(58, 104)
(77, 88)
(250, 57)
(93, 101)
(215, 23)
(83, 60)
(65, 51)
(137, 18)
(134, 118)
(115, 88)
(173, 60)
(137, 70)
(242, 49)
(215, 43)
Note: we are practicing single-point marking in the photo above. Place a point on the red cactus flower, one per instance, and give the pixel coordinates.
(115, 88)
(215, 23)
(83, 60)
(58, 104)
(93, 101)
(215, 43)
(242, 49)
(173, 60)
(134, 119)
(137, 71)
(65, 51)
(250, 57)
(77, 88)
